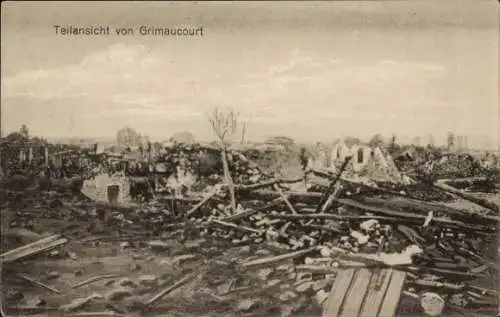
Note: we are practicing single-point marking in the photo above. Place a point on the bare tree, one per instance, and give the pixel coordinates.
(393, 145)
(225, 124)
(243, 132)
(430, 141)
(393, 140)
(128, 137)
(244, 128)
(25, 132)
(376, 140)
(350, 141)
(450, 140)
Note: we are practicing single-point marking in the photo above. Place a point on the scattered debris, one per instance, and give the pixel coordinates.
(181, 259)
(79, 302)
(53, 275)
(118, 293)
(148, 280)
(245, 305)
(159, 245)
(72, 255)
(135, 267)
(171, 288)
(432, 304)
(269, 243)
(94, 279)
(277, 259)
(37, 283)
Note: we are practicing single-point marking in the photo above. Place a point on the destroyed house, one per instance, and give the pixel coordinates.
(371, 162)
(202, 159)
(361, 154)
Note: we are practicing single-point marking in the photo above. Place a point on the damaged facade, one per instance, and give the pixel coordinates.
(372, 163)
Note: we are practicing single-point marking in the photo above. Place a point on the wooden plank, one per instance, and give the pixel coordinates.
(393, 294)
(423, 208)
(338, 293)
(15, 256)
(270, 183)
(376, 292)
(331, 192)
(442, 184)
(30, 245)
(201, 203)
(282, 196)
(443, 222)
(356, 293)
(277, 259)
(235, 227)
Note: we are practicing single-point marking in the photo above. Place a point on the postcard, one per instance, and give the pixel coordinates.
(250, 158)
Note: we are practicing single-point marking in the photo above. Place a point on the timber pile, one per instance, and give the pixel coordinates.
(443, 250)
(286, 247)
(204, 161)
(455, 165)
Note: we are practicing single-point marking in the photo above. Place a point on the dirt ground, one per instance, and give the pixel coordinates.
(133, 270)
(135, 265)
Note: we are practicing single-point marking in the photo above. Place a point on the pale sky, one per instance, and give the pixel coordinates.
(308, 70)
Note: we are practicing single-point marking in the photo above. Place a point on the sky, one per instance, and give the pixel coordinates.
(314, 71)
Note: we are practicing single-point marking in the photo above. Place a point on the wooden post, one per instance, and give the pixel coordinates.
(243, 131)
(225, 125)
(227, 177)
(30, 154)
(329, 193)
(2, 162)
(150, 149)
(58, 161)
(46, 152)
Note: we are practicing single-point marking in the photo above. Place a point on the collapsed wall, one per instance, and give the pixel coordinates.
(382, 168)
(97, 188)
(376, 166)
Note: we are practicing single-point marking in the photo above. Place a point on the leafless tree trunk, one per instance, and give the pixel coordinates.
(225, 124)
(243, 131)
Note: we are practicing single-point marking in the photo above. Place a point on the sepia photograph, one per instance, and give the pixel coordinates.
(250, 158)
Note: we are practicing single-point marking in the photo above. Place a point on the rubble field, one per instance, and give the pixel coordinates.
(273, 251)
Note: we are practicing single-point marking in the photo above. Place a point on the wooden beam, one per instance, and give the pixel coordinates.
(338, 293)
(172, 288)
(289, 205)
(200, 204)
(423, 208)
(269, 183)
(250, 212)
(277, 259)
(34, 248)
(228, 180)
(356, 293)
(376, 291)
(309, 216)
(354, 183)
(330, 192)
(393, 294)
(442, 185)
(38, 283)
(235, 227)
(308, 197)
(399, 214)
